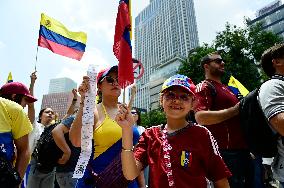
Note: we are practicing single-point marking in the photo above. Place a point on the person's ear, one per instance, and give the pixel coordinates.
(13, 96)
(205, 66)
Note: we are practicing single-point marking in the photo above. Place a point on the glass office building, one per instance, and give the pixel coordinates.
(165, 32)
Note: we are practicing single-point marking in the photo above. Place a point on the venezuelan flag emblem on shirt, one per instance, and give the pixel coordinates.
(54, 36)
(236, 87)
(185, 159)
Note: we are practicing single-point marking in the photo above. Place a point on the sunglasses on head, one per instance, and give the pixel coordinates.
(133, 112)
(170, 95)
(110, 79)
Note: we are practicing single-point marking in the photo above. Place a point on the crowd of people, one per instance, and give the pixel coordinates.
(208, 152)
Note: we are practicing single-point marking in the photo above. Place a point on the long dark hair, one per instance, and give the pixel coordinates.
(18, 97)
(40, 114)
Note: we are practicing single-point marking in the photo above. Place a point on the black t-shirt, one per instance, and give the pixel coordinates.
(75, 151)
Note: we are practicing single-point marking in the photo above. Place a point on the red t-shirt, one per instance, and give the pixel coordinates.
(203, 156)
(227, 133)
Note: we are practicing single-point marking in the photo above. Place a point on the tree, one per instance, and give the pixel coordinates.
(152, 118)
(241, 49)
(191, 66)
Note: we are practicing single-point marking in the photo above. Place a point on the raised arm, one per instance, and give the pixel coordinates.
(75, 130)
(130, 167)
(71, 108)
(31, 108)
(133, 91)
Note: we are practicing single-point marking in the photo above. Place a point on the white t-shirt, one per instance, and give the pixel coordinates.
(271, 97)
(34, 136)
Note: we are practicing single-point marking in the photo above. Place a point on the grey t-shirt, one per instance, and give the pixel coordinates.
(271, 97)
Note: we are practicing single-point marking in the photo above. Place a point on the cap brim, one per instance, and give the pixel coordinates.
(113, 68)
(185, 88)
(31, 99)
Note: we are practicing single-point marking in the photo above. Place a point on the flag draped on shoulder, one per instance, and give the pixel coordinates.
(122, 48)
(236, 87)
(9, 79)
(54, 36)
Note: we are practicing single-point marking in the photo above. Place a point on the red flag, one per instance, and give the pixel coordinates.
(122, 45)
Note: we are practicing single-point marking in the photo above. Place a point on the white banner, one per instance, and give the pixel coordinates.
(87, 124)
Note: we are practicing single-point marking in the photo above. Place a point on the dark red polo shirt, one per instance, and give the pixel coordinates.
(203, 157)
(227, 133)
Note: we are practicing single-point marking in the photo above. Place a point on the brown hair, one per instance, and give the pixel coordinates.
(274, 52)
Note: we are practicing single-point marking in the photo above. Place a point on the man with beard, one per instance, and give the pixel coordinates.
(217, 108)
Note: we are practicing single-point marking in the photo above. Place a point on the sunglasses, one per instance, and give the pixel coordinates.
(170, 95)
(133, 112)
(110, 79)
(217, 60)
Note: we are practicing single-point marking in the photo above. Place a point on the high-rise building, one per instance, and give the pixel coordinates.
(272, 18)
(59, 102)
(60, 96)
(59, 85)
(165, 32)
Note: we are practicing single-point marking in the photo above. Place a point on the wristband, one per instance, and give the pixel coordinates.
(128, 150)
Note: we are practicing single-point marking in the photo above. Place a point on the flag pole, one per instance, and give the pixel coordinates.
(123, 100)
(36, 57)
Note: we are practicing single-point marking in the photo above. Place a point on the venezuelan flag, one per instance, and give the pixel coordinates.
(54, 36)
(236, 87)
(9, 79)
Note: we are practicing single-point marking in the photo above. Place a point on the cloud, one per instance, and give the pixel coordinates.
(77, 69)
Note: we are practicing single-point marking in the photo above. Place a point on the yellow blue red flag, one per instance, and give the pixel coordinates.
(54, 36)
(122, 48)
(236, 87)
(10, 78)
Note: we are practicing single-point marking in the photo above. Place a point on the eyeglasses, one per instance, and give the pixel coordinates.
(110, 79)
(170, 95)
(133, 112)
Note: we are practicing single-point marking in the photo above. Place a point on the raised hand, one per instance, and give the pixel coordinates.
(124, 117)
(84, 87)
(75, 94)
(133, 90)
(33, 77)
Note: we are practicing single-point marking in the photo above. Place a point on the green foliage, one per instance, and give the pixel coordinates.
(191, 66)
(152, 118)
(241, 49)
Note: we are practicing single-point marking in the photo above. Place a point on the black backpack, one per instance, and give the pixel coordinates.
(46, 152)
(259, 136)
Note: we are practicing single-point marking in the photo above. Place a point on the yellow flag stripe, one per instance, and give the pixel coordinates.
(59, 28)
(235, 83)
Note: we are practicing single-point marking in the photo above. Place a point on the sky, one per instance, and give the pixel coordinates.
(20, 21)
